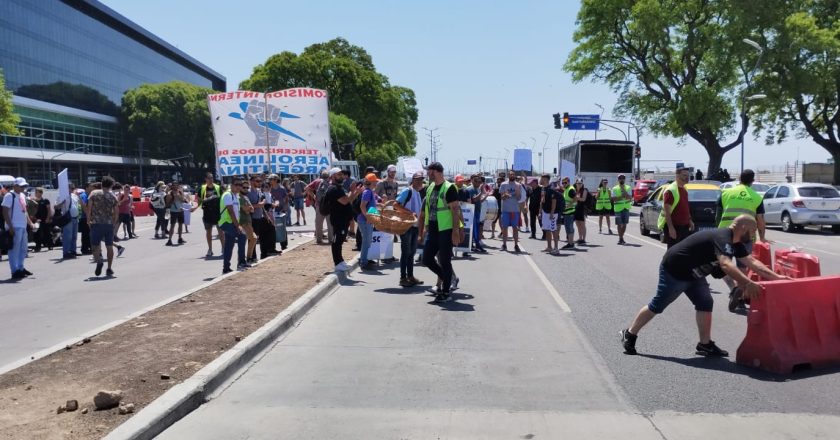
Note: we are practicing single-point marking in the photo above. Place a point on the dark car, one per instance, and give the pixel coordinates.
(702, 202)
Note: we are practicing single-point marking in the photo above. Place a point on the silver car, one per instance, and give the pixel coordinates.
(795, 205)
(758, 187)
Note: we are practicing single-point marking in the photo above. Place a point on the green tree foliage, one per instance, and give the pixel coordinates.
(8, 118)
(172, 118)
(345, 135)
(72, 95)
(384, 114)
(801, 71)
(674, 64)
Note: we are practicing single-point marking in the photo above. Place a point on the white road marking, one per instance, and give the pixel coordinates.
(548, 286)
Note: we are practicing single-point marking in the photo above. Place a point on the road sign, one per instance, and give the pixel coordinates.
(583, 122)
(472, 162)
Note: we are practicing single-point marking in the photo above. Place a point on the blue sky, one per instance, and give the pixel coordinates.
(489, 75)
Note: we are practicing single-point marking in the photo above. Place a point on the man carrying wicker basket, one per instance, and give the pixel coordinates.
(410, 199)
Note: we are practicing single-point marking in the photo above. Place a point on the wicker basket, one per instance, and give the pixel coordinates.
(392, 218)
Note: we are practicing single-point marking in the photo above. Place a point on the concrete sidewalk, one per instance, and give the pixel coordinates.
(375, 360)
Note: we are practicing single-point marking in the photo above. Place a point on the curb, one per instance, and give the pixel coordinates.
(103, 328)
(187, 396)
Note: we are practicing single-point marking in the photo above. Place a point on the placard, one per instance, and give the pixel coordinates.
(468, 212)
(381, 246)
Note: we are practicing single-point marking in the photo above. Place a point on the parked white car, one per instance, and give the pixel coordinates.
(758, 187)
(795, 205)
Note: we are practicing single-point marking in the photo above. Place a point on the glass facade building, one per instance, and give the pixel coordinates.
(69, 62)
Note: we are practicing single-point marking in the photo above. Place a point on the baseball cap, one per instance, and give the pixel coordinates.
(621, 176)
(20, 181)
(392, 168)
(371, 178)
(334, 171)
(273, 176)
(459, 178)
(418, 175)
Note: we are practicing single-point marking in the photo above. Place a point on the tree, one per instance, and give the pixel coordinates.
(345, 135)
(8, 118)
(674, 63)
(72, 95)
(801, 72)
(172, 119)
(384, 114)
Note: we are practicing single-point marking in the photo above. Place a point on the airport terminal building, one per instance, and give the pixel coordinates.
(68, 63)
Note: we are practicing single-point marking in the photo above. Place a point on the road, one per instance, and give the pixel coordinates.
(63, 300)
(517, 354)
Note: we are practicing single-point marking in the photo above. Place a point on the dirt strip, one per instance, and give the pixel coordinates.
(146, 356)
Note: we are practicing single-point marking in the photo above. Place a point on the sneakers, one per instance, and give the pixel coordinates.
(370, 265)
(568, 246)
(181, 241)
(414, 281)
(18, 275)
(516, 248)
(504, 248)
(342, 267)
(168, 243)
(609, 231)
(443, 297)
(120, 251)
(98, 270)
(26, 273)
(404, 282)
(109, 272)
(455, 281)
(226, 270)
(581, 242)
(628, 340)
(710, 349)
(622, 242)
(209, 253)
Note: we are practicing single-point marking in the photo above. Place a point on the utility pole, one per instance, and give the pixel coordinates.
(434, 143)
(140, 149)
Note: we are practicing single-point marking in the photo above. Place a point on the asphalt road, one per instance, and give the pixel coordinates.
(65, 301)
(606, 284)
(522, 353)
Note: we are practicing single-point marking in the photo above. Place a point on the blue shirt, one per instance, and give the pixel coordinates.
(367, 196)
(473, 191)
(83, 197)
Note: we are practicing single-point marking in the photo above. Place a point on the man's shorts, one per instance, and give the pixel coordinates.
(101, 232)
(569, 223)
(125, 218)
(210, 221)
(547, 223)
(510, 219)
(176, 217)
(623, 217)
(670, 288)
(298, 202)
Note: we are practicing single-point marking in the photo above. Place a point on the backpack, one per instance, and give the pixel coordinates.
(325, 206)
(321, 192)
(357, 206)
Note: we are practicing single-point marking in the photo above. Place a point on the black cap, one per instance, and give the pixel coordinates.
(369, 170)
(436, 166)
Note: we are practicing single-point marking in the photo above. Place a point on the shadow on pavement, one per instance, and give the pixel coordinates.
(729, 366)
(403, 290)
(631, 245)
(455, 305)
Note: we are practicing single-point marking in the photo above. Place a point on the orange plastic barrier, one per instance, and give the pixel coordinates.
(761, 252)
(143, 209)
(794, 323)
(796, 264)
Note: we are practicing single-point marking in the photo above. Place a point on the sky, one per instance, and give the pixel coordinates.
(487, 75)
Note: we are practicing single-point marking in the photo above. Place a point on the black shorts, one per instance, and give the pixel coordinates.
(125, 218)
(176, 217)
(580, 215)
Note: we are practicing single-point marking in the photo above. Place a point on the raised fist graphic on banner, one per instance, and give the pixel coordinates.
(265, 124)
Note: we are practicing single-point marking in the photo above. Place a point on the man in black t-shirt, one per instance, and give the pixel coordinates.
(441, 217)
(534, 199)
(339, 204)
(684, 269)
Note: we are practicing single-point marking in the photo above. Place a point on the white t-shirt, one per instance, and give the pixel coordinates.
(18, 209)
(229, 200)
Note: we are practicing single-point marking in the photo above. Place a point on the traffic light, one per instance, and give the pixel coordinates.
(566, 119)
(637, 152)
(558, 123)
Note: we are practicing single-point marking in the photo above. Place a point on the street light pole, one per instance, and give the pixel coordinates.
(744, 98)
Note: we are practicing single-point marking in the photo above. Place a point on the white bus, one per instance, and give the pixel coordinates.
(593, 160)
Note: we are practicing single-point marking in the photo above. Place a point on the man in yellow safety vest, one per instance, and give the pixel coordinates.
(621, 198)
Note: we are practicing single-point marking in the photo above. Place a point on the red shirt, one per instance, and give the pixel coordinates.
(681, 215)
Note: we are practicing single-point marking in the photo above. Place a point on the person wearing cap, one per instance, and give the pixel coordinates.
(621, 199)
(410, 199)
(569, 196)
(368, 201)
(338, 202)
(387, 188)
(17, 220)
(208, 199)
(511, 193)
(741, 199)
(675, 217)
(441, 219)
